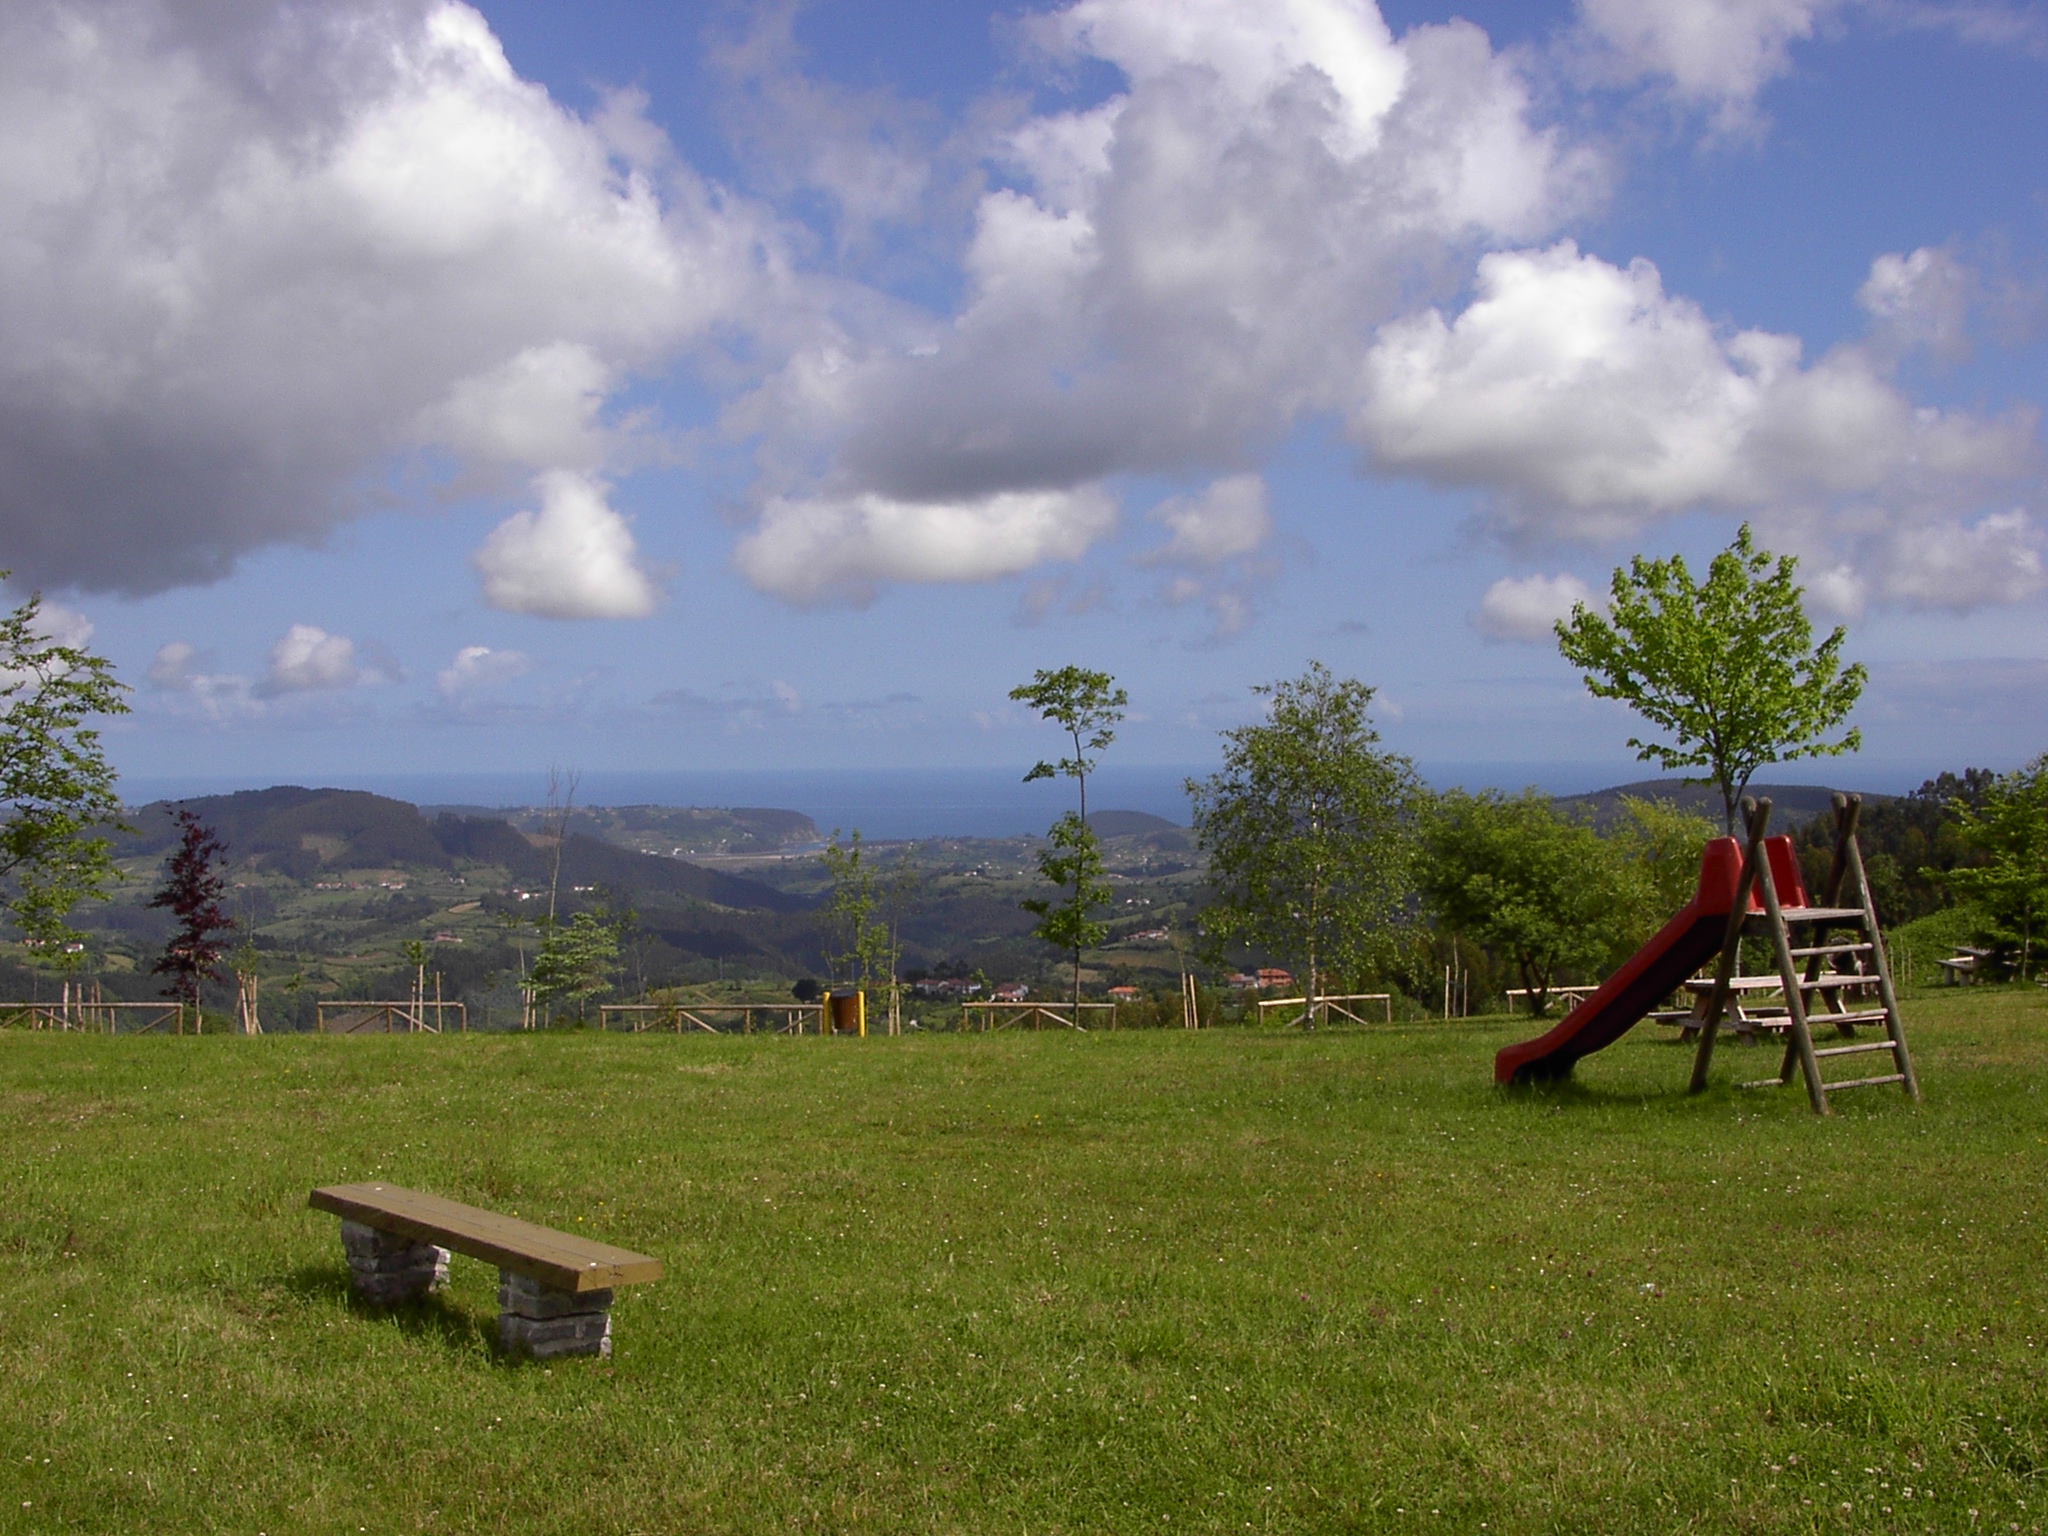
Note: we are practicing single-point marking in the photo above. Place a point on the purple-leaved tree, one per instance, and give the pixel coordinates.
(192, 889)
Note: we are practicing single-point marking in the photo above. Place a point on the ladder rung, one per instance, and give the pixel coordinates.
(1823, 914)
(1866, 1016)
(1831, 949)
(1867, 1082)
(1858, 1049)
(1835, 981)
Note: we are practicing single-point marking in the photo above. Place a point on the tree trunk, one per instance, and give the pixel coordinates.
(1308, 992)
(1539, 995)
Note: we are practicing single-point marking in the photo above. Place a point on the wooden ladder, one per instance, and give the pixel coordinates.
(1857, 963)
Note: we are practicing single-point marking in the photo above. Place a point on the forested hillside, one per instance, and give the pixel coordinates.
(327, 887)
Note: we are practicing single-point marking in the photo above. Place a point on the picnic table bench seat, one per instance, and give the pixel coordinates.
(554, 1288)
(1747, 1018)
(1964, 963)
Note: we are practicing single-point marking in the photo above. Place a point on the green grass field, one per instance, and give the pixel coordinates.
(1036, 1283)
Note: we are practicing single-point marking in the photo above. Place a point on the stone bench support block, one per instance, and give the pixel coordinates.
(388, 1269)
(533, 1320)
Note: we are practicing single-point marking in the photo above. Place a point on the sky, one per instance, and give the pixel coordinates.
(405, 387)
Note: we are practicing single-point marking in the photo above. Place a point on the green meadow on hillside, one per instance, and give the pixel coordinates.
(1049, 1283)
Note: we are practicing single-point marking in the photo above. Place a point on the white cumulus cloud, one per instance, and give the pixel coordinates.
(307, 659)
(1528, 607)
(1713, 53)
(174, 666)
(1169, 278)
(1837, 591)
(218, 696)
(1593, 403)
(63, 626)
(573, 558)
(253, 251)
(477, 667)
(839, 550)
(1949, 563)
(1919, 300)
(1253, 48)
(1226, 521)
(540, 410)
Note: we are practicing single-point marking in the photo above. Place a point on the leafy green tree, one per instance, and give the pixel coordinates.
(1664, 842)
(1727, 670)
(575, 960)
(1309, 829)
(1072, 861)
(56, 785)
(1909, 844)
(1549, 895)
(1087, 705)
(2008, 827)
(192, 888)
(852, 913)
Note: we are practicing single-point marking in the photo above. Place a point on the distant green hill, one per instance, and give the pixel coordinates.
(1792, 805)
(1129, 823)
(303, 833)
(666, 829)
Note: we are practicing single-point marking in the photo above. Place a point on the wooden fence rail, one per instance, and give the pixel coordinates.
(97, 1017)
(1571, 997)
(780, 1018)
(1325, 1006)
(371, 1016)
(987, 1016)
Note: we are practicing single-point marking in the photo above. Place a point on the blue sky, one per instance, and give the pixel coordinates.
(410, 388)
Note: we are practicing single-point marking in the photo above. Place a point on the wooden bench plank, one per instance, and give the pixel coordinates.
(561, 1261)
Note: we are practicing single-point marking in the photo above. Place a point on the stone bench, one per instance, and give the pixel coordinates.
(554, 1288)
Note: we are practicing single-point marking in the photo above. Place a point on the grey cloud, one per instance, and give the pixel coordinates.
(255, 250)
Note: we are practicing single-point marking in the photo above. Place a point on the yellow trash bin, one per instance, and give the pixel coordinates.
(848, 1012)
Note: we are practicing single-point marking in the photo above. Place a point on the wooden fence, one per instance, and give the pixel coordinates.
(778, 1018)
(99, 1017)
(1325, 1006)
(988, 1016)
(1570, 997)
(408, 1016)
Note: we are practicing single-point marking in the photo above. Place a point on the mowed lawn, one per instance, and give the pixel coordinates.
(1036, 1283)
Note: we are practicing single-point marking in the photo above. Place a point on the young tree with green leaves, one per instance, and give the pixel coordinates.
(1727, 669)
(56, 786)
(851, 915)
(1087, 705)
(1072, 861)
(192, 889)
(2008, 826)
(576, 959)
(1546, 894)
(414, 952)
(1664, 843)
(1310, 830)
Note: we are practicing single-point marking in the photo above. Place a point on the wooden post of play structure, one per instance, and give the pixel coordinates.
(1756, 816)
(1190, 1003)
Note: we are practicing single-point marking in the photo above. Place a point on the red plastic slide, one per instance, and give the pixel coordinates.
(1691, 939)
